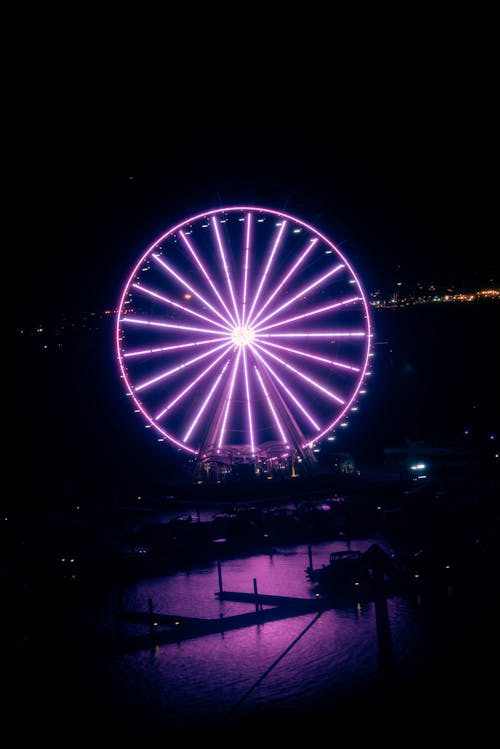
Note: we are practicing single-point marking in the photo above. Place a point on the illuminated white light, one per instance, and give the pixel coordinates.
(242, 335)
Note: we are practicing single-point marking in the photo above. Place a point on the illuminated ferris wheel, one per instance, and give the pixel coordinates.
(243, 332)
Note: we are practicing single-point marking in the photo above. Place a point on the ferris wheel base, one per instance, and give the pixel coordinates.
(233, 464)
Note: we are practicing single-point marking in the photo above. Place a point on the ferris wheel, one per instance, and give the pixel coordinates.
(243, 332)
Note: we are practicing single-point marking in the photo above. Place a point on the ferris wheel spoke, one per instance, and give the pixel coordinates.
(179, 368)
(225, 266)
(332, 334)
(287, 390)
(191, 385)
(190, 288)
(246, 266)
(164, 349)
(314, 383)
(314, 357)
(205, 403)
(166, 300)
(270, 407)
(248, 403)
(173, 326)
(311, 313)
(286, 278)
(227, 406)
(305, 290)
(206, 275)
(270, 259)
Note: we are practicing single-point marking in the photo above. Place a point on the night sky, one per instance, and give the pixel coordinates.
(398, 173)
(394, 163)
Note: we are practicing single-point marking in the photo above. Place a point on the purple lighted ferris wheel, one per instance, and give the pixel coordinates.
(243, 333)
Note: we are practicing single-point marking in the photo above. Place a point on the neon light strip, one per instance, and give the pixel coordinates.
(323, 359)
(270, 405)
(286, 389)
(160, 350)
(246, 266)
(189, 288)
(304, 291)
(310, 380)
(313, 312)
(286, 278)
(266, 271)
(326, 334)
(165, 299)
(154, 323)
(191, 385)
(225, 266)
(229, 397)
(206, 274)
(180, 367)
(249, 406)
(205, 403)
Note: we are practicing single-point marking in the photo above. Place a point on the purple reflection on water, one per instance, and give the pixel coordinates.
(279, 668)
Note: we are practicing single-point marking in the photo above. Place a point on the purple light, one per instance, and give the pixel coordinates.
(169, 372)
(268, 266)
(226, 267)
(206, 274)
(303, 292)
(228, 401)
(271, 407)
(256, 279)
(305, 377)
(311, 313)
(246, 267)
(287, 390)
(176, 304)
(205, 403)
(286, 278)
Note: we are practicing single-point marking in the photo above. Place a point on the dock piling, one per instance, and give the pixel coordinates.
(219, 572)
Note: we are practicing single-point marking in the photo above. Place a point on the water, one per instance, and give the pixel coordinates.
(280, 674)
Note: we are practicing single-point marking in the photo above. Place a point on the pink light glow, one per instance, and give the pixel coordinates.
(249, 402)
(188, 363)
(266, 270)
(189, 387)
(303, 292)
(270, 405)
(305, 377)
(226, 267)
(146, 352)
(287, 390)
(206, 274)
(184, 283)
(176, 304)
(205, 403)
(313, 356)
(238, 269)
(228, 401)
(246, 267)
(311, 313)
(286, 278)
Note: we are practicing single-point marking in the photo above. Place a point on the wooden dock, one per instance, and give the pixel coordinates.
(168, 628)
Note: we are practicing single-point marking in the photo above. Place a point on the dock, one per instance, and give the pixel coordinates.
(164, 629)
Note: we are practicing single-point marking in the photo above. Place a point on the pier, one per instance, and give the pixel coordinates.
(168, 628)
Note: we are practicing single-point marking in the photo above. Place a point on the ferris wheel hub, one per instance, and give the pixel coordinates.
(243, 335)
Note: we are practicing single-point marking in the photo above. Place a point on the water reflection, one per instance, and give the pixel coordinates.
(279, 668)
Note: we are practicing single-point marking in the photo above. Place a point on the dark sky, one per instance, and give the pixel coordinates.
(397, 166)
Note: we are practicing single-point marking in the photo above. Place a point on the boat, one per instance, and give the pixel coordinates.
(352, 571)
